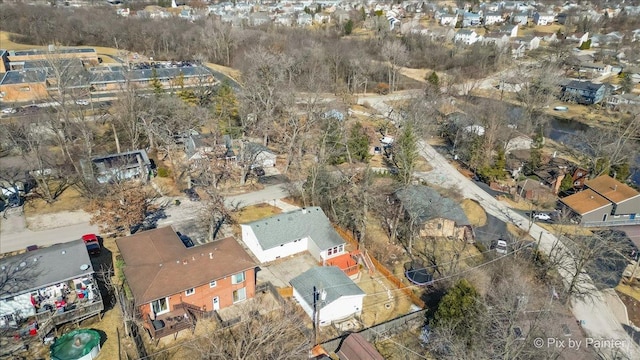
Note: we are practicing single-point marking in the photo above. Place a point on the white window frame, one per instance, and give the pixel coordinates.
(189, 292)
(162, 311)
(236, 293)
(234, 278)
(213, 284)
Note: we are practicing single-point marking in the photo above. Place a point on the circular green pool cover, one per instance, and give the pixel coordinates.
(75, 345)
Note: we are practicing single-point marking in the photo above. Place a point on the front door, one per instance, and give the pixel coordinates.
(216, 303)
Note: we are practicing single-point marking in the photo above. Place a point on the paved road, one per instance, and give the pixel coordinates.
(600, 322)
(187, 210)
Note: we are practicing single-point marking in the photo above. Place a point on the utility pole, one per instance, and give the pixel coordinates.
(317, 295)
(315, 316)
(538, 246)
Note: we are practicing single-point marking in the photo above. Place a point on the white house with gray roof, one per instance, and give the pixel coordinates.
(286, 234)
(37, 279)
(338, 298)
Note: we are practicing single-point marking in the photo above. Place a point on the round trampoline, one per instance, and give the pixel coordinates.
(81, 344)
(417, 274)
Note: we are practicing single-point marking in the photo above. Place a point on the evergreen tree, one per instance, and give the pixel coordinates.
(626, 84)
(535, 158)
(358, 143)
(433, 79)
(156, 84)
(405, 154)
(459, 309)
(348, 27)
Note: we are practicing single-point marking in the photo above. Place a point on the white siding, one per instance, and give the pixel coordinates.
(341, 309)
(306, 307)
(315, 251)
(337, 310)
(20, 304)
(249, 239)
(286, 249)
(265, 159)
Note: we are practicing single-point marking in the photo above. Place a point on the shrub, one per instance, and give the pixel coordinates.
(163, 172)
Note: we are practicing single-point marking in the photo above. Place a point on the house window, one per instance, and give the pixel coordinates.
(439, 226)
(190, 292)
(213, 284)
(25, 88)
(335, 250)
(239, 295)
(237, 278)
(160, 306)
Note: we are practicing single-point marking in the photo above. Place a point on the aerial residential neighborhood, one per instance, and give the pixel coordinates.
(335, 179)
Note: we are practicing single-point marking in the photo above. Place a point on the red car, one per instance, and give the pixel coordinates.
(92, 242)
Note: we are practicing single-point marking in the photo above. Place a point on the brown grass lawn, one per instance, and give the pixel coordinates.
(582, 113)
(230, 72)
(475, 213)
(69, 200)
(255, 212)
(10, 45)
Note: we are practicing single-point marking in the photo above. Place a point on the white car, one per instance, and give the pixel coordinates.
(9, 111)
(82, 102)
(501, 247)
(542, 217)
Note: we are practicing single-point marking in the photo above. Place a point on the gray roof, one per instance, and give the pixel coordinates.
(252, 149)
(45, 267)
(23, 77)
(331, 279)
(287, 227)
(61, 64)
(424, 203)
(583, 85)
(122, 160)
(46, 51)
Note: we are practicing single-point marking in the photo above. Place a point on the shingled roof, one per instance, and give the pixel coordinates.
(158, 264)
(424, 204)
(331, 279)
(286, 227)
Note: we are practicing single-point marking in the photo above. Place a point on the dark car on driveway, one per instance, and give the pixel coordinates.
(93, 244)
(192, 194)
(258, 171)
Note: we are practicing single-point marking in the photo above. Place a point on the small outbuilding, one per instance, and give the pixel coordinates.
(337, 296)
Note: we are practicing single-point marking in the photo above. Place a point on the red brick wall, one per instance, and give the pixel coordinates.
(203, 297)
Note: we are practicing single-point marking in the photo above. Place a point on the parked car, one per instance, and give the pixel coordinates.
(9, 111)
(14, 200)
(542, 217)
(258, 171)
(93, 244)
(500, 246)
(82, 102)
(192, 194)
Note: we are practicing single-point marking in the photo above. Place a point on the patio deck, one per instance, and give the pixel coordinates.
(169, 323)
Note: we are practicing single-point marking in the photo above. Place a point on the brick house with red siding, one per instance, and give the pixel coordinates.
(172, 284)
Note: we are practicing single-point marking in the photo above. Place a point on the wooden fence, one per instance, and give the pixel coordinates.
(382, 330)
(382, 269)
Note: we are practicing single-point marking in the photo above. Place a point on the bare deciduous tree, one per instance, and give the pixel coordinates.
(264, 332)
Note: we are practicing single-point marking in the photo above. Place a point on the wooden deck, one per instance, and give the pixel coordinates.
(169, 323)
